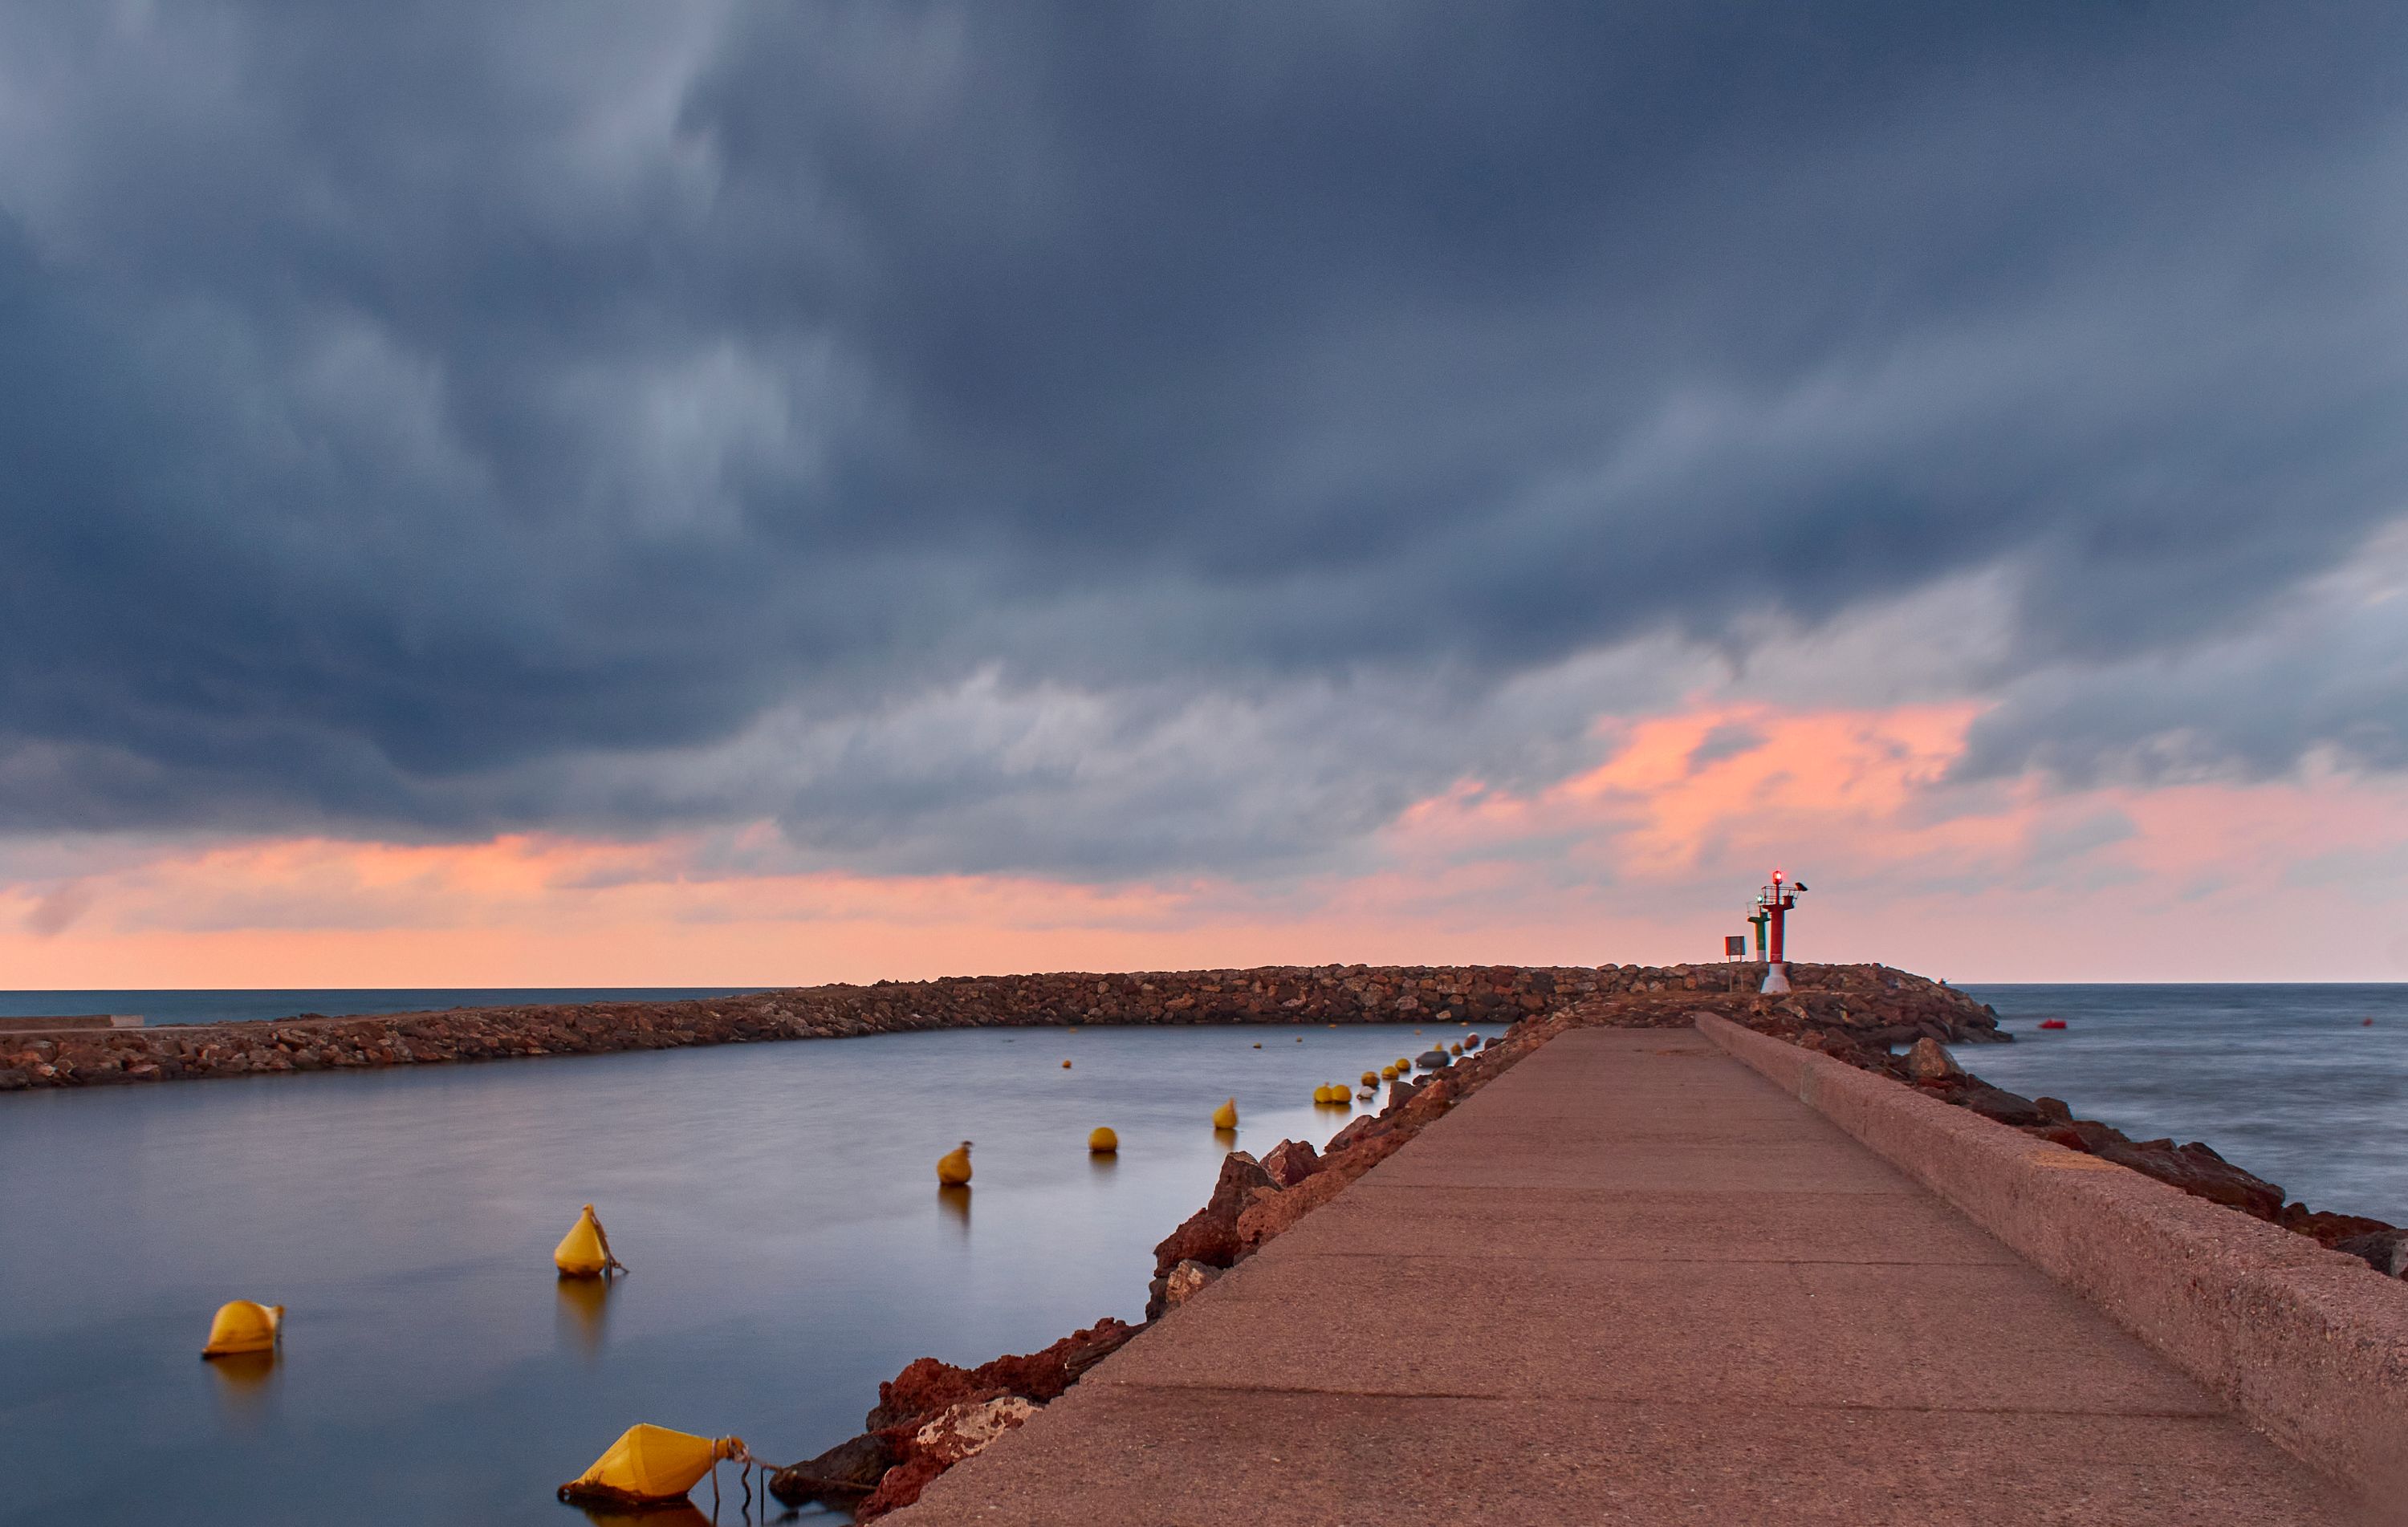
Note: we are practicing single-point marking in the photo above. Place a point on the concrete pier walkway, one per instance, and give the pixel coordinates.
(1632, 1282)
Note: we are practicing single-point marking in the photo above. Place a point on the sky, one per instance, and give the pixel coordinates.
(599, 493)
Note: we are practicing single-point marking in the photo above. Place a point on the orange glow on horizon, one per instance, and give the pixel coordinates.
(1650, 854)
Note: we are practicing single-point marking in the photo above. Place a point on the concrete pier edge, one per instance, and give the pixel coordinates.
(2305, 1343)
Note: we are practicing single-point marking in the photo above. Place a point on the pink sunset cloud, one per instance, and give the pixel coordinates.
(1649, 854)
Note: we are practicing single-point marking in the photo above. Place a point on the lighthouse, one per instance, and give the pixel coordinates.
(1773, 904)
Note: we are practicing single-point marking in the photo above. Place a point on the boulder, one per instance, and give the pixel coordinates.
(1927, 1060)
(927, 1386)
(2201, 1172)
(964, 1430)
(2384, 1250)
(1291, 1162)
(1209, 1236)
(2327, 1229)
(840, 1476)
(1184, 1282)
(1997, 1102)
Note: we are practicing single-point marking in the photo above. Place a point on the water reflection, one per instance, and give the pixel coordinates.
(773, 1196)
(687, 1515)
(584, 1308)
(245, 1383)
(953, 1198)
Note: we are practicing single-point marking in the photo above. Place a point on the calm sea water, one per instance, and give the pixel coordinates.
(777, 1203)
(790, 1248)
(2289, 1082)
(228, 1006)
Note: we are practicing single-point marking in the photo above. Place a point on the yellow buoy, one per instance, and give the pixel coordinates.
(1258, 1044)
(649, 1466)
(1403, 1065)
(1387, 1072)
(1370, 1078)
(585, 1251)
(1456, 1050)
(953, 1166)
(1226, 1115)
(1102, 1141)
(1066, 1066)
(242, 1326)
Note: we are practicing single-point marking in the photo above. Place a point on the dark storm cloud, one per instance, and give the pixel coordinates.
(407, 415)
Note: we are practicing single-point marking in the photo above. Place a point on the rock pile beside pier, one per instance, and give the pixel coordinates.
(1871, 1004)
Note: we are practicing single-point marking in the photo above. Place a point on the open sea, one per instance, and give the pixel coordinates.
(2304, 1085)
(789, 1244)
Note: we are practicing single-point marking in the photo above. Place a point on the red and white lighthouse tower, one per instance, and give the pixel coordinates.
(1772, 904)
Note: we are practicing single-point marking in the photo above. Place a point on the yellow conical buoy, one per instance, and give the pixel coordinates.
(243, 1326)
(650, 1465)
(953, 1166)
(1226, 1115)
(585, 1251)
(1102, 1141)
(1455, 1050)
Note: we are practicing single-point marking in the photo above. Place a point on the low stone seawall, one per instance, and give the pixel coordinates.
(2298, 1338)
(1871, 1004)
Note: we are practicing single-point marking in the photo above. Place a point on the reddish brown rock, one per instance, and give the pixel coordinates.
(899, 1486)
(2328, 1229)
(2200, 1171)
(927, 1386)
(1291, 1162)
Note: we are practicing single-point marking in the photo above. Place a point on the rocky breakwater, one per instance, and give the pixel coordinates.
(2194, 1166)
(1870, 1002)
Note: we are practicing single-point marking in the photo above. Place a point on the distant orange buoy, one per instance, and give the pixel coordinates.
(242, 1326)
(953, 1166)
(1066, 1066)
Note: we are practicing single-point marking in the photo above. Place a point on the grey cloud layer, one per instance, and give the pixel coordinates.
(457, 418)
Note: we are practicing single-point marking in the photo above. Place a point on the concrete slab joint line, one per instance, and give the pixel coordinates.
(2308, 1344)
(1637, 1282)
